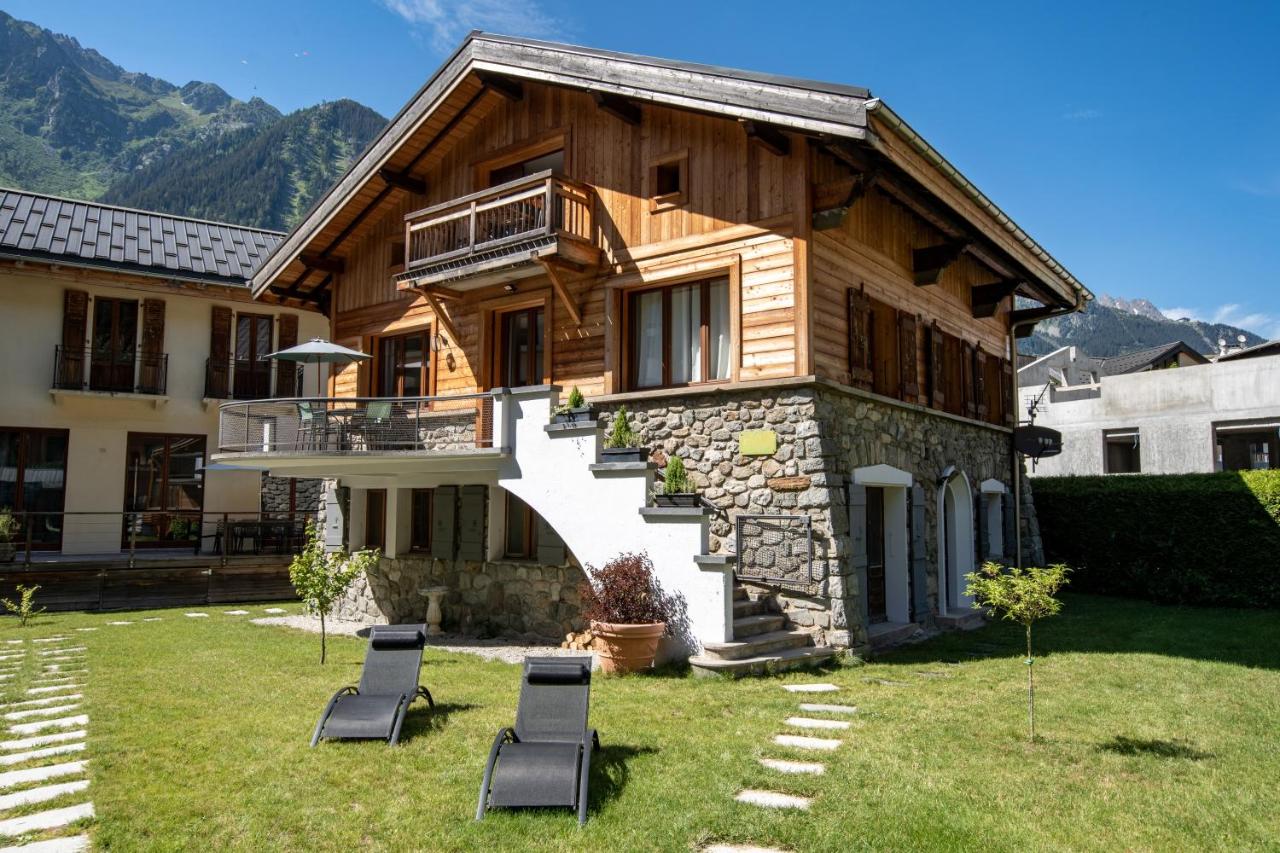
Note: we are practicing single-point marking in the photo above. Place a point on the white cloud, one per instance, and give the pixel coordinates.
(1232, 314)
(445, 22)
(1086, 114)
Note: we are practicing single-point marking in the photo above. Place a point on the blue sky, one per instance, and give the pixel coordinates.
(1140, 143)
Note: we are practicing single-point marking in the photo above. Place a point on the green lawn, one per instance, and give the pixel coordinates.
(1159, 732)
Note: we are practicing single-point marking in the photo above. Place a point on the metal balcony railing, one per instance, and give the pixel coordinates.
(115, 372)
(245, 379)
(357, 425)
(541, 206)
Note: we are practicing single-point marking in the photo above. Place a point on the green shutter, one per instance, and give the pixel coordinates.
(444, 511)
(472, 508)
(858, 536)
(919, 583)
(551, 550)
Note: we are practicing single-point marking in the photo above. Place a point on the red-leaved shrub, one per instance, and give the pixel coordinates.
(625, 592)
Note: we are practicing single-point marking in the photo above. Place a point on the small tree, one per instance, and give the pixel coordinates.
(1019, 595)
(621, 435)
(674, 479)
(321, 578)
(25, 608)
(576, 400)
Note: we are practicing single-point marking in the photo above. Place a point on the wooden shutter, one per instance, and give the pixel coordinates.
(287, 371)
(75, 320)
(151, 373)
(967, 385)
(919, 580)
(1006, 393)
(860, 364)
(444, 516)
(980, 382)
(472, 509)
(908, 362)
(858, 536)
(551, 551)
(218, 372)
(937, 372)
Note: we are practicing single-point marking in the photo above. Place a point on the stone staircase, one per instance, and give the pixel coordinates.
(763, 642)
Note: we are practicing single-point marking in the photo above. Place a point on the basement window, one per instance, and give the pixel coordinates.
(1123, 451)
(668, 181)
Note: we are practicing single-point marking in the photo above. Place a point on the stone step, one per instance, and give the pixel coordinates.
(820, 708)
(970, 621)
(886, 635)
(757, 645)
(812, 723)
(772, 799)
(749, 607)
(783, 765)
(761, 623)
(739, 592)
(764, 664)
(805, 742)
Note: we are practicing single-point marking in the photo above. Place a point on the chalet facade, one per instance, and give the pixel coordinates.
(781, 281)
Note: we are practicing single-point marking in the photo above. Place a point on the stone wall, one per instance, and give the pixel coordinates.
(513, 599)
(275, 494)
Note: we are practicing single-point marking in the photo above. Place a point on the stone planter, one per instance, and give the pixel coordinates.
(678, 499)
(627, 648)
(625, 454)
(580, 415)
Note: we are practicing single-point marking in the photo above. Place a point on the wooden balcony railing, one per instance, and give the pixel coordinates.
(532, 216)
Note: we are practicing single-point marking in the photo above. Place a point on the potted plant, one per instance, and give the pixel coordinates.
(573, 411)
(628, 611)
(8, 529)
(676, 488)
(621, 444)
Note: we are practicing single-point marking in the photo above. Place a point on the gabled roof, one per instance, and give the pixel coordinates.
(86, 234)
(1144, 359)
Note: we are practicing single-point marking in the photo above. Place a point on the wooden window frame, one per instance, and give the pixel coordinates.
(20, 465)
(530, 529)
(672, 200)
(428, 381)
(169, 438)
(490, 312)
(526, 149)
(630, 332)
(498, 347)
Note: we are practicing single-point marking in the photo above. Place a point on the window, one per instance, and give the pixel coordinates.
(253, 369)
(522, 529)
(420, 519)
(668, 181)
(1247, 447)
(553, 160)
(404, 365)
(164, 486)
(1123, 451)
(115, 337)
(33, 472)
(375, 519)
(520, 348)
(876, 593)
(679, 335)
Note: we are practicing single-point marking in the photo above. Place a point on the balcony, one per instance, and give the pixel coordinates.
(110, 372)
(245, 379)
(502, 233)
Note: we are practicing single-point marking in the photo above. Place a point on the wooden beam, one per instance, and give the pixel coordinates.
(322, 263)
(768, 136)
(437, 292)
(833, 217)
(1028, 317)
(510, 89)
(403, 181)
(619, 107)
(442, 318)
(928, 263)
(984, 299)
(562, 291)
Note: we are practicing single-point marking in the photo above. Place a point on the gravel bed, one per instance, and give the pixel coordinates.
(503, 650)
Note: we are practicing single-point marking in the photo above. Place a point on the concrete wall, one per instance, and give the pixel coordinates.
(1174, 411)
(31, 308)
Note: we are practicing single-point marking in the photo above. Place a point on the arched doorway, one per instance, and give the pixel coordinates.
(955, 543)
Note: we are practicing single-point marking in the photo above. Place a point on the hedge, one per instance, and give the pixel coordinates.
(1210, 539)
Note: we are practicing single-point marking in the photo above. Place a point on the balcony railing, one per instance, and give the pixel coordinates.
(114, 372)
(519, 219)
(357, 425)
(245, 379)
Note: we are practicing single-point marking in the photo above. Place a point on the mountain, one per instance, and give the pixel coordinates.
(266, 177)
(73, 123)
(1110, 326)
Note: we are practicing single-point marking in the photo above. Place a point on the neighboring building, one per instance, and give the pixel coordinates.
(1255, 351)
(1141, 417)
(121, 331)
(781, 281)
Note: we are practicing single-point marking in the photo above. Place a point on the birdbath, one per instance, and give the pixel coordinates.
(434, 594)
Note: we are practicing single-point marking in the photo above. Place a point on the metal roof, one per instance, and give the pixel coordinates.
(87, 234)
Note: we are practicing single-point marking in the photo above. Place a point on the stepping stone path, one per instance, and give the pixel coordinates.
(42, 753)
(153, 619)
(236, 612)
(275, 611)
(782, 765)
(772, 799)
(120, 623)
(811, 723)
(197, 615)
(727, 848)
(810, 688)
(814, 708)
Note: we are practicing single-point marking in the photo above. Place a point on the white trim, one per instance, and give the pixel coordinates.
(882, 475)
(960, 553)
(992, 487)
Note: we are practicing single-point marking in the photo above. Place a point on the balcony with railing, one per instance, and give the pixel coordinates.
(248, 379)
(110, 372)
(502, 232)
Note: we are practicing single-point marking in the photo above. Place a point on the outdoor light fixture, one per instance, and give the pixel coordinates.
(509, 288)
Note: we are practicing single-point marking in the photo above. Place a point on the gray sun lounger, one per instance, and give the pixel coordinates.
(545, 760)
(388, 685)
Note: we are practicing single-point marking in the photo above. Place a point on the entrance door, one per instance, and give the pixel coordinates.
(520, 348)
(253, 343)
(115, 337)
(33, 470)
(877, 602)
(956, 550)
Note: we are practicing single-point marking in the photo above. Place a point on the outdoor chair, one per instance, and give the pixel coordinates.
(545, 760)
(388, 685)
(312, 428)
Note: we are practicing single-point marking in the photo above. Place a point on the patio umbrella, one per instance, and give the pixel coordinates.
(317, 351)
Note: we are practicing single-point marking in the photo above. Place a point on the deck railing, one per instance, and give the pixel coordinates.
(130, 372)
(541, 205)
(357, 425)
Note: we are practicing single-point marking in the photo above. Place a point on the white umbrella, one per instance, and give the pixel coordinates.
(317, 351)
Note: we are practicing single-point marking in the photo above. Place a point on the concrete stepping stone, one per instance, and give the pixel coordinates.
(5, 676)
(60, 723)
(811, 723)
(153, 619)
(48, 700)
(274, 611)
(236, 612)
(86, 629)
(42, 740)
(47, 752)
(818, 708)
(11, 778)
(37, 712)
(66, 844)
(122, 622)
(52, 688)
(197, 615)
(726, 848)
(41, 794)
(67, 650)
(56, 639)
(784, 766)
(772, 799)
(18, 656)
(14, 642)
(51, 819)
(52, 679)
(804, 742)
(810, 688)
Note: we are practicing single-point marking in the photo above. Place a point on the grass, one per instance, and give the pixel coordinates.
(1159, 733)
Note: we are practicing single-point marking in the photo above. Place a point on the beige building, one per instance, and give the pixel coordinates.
(121, 331)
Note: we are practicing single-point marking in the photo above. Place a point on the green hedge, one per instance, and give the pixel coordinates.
(1211, 539)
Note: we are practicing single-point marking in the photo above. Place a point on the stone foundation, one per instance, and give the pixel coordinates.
(309, 494)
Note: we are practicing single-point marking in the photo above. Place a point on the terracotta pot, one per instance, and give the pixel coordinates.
(627, 648)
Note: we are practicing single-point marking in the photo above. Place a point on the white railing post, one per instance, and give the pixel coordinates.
(501, 439)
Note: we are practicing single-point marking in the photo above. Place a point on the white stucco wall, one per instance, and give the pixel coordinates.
(1174, 411)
